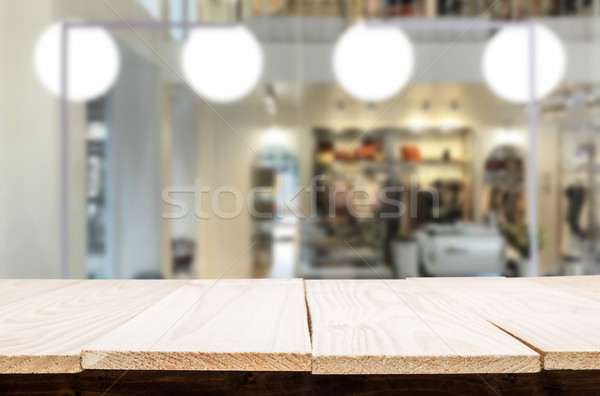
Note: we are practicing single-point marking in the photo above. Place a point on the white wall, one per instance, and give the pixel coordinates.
(30, 244)
(135, 179)
(184, 140)
(29, 163)
(225, 160)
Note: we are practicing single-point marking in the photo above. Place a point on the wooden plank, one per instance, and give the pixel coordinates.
(254, 325)
(558, 317)
(561, 322)
(582, 286)
(45, 330)
(12, 290)
(397, 327)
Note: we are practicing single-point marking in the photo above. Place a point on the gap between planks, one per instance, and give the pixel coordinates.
(558, 317)
(392, 327)
(45, 324)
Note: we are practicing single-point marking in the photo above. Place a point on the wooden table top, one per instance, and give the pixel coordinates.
(413, 326)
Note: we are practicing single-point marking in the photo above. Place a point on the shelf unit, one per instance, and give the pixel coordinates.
(582, 135)
(343, 260)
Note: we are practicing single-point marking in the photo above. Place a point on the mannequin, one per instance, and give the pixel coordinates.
(576, 196)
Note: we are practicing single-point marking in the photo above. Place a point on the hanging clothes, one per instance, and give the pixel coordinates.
(576, 199)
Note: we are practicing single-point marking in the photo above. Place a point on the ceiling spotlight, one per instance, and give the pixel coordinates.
(506, 62)
(93, 61)
(222, 64)
(454, 105)
(270, 102)
(373, 63)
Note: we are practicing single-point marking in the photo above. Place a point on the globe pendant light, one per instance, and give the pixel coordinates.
(373, 63)
(506, 62)
(93, 61)
(222, 64)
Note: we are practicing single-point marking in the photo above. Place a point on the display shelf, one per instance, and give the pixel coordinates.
(406, 133)
(374, 159)
(383, 165)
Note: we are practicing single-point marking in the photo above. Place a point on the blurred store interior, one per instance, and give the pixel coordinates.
(116, 186)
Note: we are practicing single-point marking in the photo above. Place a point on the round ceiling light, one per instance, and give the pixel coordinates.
(222, 64)
(92, 66)
(373, 63)
(506, 67)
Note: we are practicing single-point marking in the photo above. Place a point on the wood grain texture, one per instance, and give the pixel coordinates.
(44, 324)
(12, 290)
(558, 317)
(581, 286)
(393, 327)
(433, 325)
(255, 325)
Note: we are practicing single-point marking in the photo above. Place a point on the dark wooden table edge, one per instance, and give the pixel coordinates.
(98, 382)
